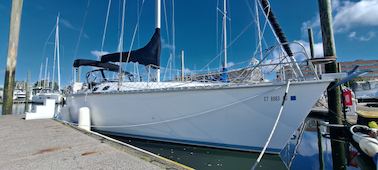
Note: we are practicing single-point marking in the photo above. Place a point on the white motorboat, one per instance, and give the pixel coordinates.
(366, 91)
(44, 94)
(233, 115)
(19, 94)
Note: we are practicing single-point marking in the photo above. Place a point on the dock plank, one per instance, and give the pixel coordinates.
(48, 144)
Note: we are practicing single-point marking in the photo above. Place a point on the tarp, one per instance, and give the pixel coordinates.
(148, 55)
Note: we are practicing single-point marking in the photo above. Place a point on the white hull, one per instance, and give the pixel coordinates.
(367, 94)
(239, 117)
(18, 94)
(40, 98)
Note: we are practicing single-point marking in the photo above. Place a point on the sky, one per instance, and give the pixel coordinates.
(196, 30)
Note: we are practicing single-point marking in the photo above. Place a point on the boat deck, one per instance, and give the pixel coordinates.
(49, 144)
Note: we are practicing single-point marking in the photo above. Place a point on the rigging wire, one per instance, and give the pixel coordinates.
(44, 54)
(217, 27)
(105, 27)
(82, 29)
(135, 31)
(120, 45)
(173, 36)
(229, 45)
(80, 35)
(138, 9)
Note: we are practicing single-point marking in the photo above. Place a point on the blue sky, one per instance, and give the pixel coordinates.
(195, 30)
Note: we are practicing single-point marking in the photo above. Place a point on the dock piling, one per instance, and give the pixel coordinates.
(27, 91)
(334, 95)
(14, 32)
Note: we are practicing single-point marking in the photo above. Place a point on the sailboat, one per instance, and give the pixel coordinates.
(41, 94)
(237, 116)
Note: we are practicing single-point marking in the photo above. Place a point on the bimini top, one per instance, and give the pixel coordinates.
(94, 63)
(148, 55)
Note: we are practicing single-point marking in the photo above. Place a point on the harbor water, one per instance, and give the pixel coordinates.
(300, 153)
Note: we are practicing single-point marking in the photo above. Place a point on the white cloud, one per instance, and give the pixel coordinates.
(230, 64)
(85, 35)
(187, 71)
(166, 45)
(298, 51)
(98, 53)
(318, 48)
(347, 17)
(354, 36)
(356, 14)
(313, 23)
(68, 24)
(335, 4)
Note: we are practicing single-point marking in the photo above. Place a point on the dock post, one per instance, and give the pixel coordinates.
(84, 119)
(320, 146)
(334, 95)
(27, 92)
(14, 32)
(311, 44)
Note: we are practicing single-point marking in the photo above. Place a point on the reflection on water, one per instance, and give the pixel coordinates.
(204, 157)
(300, 153)
(19, 108)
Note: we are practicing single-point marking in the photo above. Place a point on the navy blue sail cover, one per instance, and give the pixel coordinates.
(148, 55)
(85, 62)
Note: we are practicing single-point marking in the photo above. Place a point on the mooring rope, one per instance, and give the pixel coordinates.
(274, 127)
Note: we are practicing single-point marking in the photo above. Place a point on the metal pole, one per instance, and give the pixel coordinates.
(225, 33)
(14, 32)
(55, 50)
(58, 51)
(39, 82)
(44, 80)
(78, 74)
(311, 44)
(27, 92)
(158, 25)
(334, 96)
(182, 66)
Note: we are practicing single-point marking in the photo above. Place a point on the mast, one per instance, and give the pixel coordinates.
(55, 52)
(182, 66)
(225, 33)
(258, 28)
(44, 82)
(158, 26)
(58, 50)
(40, 75)
(48, 80)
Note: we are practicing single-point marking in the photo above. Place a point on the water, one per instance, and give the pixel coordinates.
(204, 157)
(18, 108)
(306, 157)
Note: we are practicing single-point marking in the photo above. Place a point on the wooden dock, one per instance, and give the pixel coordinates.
(49, 144)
